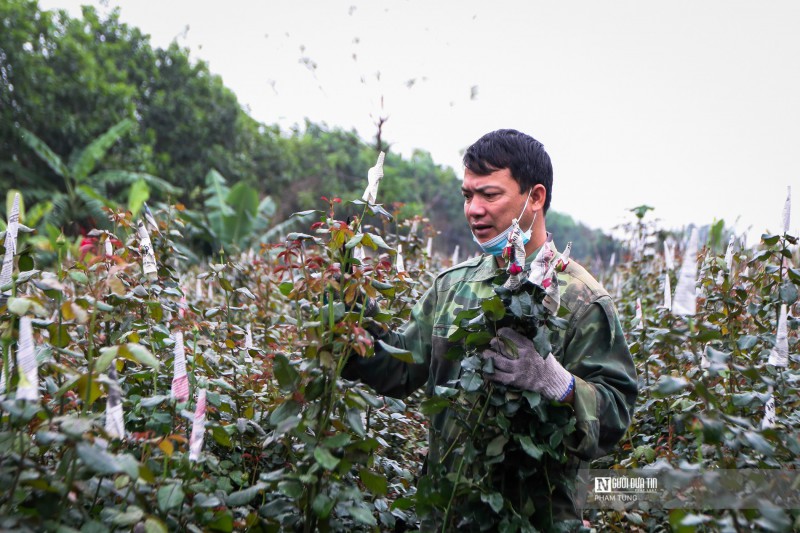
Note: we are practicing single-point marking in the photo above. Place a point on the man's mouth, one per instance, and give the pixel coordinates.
(481, 230)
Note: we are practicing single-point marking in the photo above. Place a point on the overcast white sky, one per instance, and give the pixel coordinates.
(691, 107)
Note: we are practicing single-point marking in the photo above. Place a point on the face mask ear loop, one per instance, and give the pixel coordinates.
(532, 222)
(523, 211)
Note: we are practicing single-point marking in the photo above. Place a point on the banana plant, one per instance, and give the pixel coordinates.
(232, 218)
(80, 205)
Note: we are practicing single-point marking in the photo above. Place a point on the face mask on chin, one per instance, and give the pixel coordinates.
(495, 245)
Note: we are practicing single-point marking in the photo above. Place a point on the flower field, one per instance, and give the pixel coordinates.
(141, 391)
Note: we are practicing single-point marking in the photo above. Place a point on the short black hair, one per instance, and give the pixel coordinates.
(521, 154)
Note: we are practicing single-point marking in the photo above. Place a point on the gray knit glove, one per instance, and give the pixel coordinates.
(526, 369)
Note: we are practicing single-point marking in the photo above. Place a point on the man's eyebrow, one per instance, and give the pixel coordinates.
(482, 189)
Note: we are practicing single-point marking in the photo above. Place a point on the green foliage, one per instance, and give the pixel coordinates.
(232, 217)
(706, 379)
(291, 445)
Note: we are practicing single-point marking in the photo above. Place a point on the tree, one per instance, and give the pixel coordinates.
(79, 208)
(66, 79)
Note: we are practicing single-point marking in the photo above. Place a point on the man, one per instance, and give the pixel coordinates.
(507, 187)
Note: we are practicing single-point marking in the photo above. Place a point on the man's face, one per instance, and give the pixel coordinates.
(492, 202)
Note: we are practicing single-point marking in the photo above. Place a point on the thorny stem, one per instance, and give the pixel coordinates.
(194, 359)
(296, 303)
(23, 453)
(463, 458)
(324, 416)
(96, 494)
(61, 399)
(90, 358)
(697, 359)
(460, 430)
(7, 341)
(155, 370)
(734, 350)
(303, 268)
(642, 339)
(68, 484)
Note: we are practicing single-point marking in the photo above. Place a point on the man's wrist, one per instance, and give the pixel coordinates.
(570, 392)
(559, 382)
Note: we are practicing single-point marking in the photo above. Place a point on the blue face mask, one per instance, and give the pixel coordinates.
(496, 245)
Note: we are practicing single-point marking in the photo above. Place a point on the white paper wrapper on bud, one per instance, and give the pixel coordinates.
(400, 264)
(358, 253)
(616, 284)
(429, 247)
(248, 338)
(704, 362)
(109, 248)
(779, 356)
(10, 244)
(552, 298)
(12, 228)
(650, 242)
(612, 260)
(248, 344)
(637, 244)
(684, 302)
(563, 261)
(769, 412)
(787, 210)
(198, 427)
(639, 318)
(115, 419)
(729, 254)
(150, 219)
(540, 267)
(374, 176)
(180, 380)
(514, 254)
(667, 292)
(669, 255)
(454, 259)
(198, 289)
(182, 305)
(210, 291)
(543, 273)
(146, 249)
(28, 388)
(728, 260)
(413, 230)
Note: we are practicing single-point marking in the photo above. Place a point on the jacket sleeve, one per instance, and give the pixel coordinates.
(606, 385)
(387, 374)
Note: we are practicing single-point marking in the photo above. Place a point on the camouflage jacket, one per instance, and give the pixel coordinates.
(593, 348)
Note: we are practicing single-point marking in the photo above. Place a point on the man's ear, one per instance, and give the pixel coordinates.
(538, 196)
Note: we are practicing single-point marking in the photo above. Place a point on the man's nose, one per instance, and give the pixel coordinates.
(476, 208)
